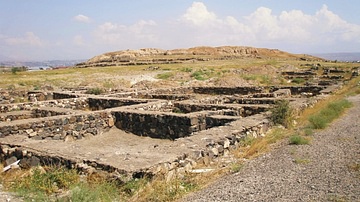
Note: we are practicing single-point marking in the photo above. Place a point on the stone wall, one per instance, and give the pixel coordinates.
(238, 110)
(167, 125)
(228, 90)
(74, 103)
(298, 90)
(157, 125)
(64, 127)
(214, 147)
(15, 115)
(106, 103)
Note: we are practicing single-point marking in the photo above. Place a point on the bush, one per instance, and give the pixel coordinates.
(282, 113)
(95, 91)
(298, 140)
(199, 75)
(298, 80)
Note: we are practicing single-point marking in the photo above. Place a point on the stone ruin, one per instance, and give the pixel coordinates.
(137, 133)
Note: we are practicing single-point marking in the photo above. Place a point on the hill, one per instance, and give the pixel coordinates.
(148, 56)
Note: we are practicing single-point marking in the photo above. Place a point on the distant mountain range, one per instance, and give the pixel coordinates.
(346, 57)
(41, 64)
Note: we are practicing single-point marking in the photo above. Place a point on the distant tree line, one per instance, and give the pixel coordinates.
(13, 70)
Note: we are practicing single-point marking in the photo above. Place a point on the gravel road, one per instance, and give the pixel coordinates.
(325, 170)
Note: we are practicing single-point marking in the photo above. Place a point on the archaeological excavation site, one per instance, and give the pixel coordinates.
(136, 132)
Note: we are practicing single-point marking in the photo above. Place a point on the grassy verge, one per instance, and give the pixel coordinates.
(326, 115)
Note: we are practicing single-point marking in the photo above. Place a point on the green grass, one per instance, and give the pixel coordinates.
(200, 75)
(332, 111)
(104, 191)
(298, 80)
(40, 184)
(298, 140)
(165, 75)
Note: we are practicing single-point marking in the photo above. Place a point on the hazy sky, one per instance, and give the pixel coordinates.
(81, 29)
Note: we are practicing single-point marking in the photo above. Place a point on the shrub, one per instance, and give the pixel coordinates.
(282, 113)
(298, 140)
(298, 80)
(199, 75)
(95, 91)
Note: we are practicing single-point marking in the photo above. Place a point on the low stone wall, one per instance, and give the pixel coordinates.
(168, 125)
(213, 148)
(74, 103)
(105, 103)
(50, 111)
(64, 127)
(251, 101)
(157, 125)
(239, 110)
(298, 90)
(30, 158)
(228, 90)
(16, 115)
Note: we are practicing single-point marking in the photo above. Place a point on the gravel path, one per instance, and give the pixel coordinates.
(325, 170)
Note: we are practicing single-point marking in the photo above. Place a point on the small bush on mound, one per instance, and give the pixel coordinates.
(298, 80)
(298, 140)
(95, 91)
(282, 113)
(327, 115)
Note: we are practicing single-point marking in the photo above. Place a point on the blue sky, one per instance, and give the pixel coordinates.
(81, 29)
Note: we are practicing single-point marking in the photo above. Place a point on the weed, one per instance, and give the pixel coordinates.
(186, 69)
(160, 190)
(298, 80)
(354, 167)
(236, 167)
(36, 88)
(177, 110)
(199, 75)
(336, 198)
(282, 113)
(301, 161)
(133, 186)
(248, 140)
(298, 140)
(95, 91)
(103, 191)
(308, 131)
(41, 183)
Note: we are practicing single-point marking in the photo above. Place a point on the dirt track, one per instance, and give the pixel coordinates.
(325, 170)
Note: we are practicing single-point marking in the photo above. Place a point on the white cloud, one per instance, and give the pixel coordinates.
(82, 18)
(198, 14)
(292, 29)
(116, 34)
(28, 39)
